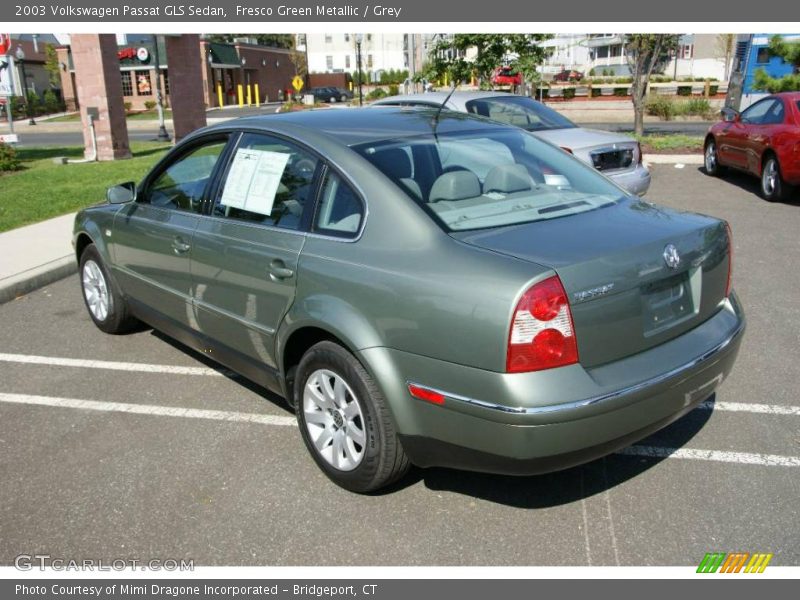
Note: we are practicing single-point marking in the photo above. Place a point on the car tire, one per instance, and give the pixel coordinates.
(101, 295)
(345, 421)
(773, 188)
(343, 98)
(711, 159)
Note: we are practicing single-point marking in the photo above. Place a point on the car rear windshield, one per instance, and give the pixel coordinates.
(491, 178)
(520, 112)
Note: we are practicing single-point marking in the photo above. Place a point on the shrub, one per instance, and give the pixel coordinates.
(713, 89)
(377, 94)
(128, 106)
(52, 103)
(697, 106)
(569, 93)
(394, 89)
(661, 106)
(607, 72)
(595, 92)
(34, 103)
(623, 80)
(684, 90)
(591, 72)
(149, 104)
(620, 91)
(8, 158)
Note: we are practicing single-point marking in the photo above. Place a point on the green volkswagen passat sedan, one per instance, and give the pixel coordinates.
(423, 288)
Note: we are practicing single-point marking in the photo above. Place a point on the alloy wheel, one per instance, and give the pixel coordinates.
(769, 178)
(334, 420)
(95, 290)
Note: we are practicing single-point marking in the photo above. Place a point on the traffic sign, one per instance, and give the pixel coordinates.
(8, 138)
(297, 83)
(6, 76)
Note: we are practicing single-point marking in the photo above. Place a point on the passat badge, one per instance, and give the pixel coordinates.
(671, 256)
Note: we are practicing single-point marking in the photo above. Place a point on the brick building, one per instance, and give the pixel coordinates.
(225, 67)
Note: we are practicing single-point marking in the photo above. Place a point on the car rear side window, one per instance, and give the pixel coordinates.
(268, 181)
(182, 184)
(340, 210)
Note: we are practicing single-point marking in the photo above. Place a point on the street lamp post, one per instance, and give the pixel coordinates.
(163, 136)
(20, 55)
(359, 39)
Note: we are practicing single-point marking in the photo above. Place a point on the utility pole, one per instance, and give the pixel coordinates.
(359, 39)
(163, 136)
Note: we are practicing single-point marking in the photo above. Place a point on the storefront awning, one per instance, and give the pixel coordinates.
(224, 56)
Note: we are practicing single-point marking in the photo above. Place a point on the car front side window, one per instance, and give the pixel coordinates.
(756, 114)
(182, 184)
(269, 181)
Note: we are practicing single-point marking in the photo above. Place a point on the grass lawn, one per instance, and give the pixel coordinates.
(672, 144)
(145, 115)
(42, 189)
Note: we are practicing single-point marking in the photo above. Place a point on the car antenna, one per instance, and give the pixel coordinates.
(441, 107)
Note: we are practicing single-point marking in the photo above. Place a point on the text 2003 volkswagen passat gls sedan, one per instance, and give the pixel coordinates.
(427, 289)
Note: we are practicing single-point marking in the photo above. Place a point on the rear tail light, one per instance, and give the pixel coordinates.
(730, 259)
(542, 335)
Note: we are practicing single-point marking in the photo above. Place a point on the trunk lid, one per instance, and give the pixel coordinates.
(612, 262)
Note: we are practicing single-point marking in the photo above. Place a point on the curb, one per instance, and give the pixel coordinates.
(23, 283)
(673, 159)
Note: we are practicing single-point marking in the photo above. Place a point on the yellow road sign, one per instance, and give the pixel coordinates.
(297, 83)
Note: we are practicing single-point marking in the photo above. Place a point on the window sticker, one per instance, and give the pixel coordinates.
(253, 180)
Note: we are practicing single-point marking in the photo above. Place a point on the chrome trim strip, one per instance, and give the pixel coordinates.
(536, 410)
(229, 315)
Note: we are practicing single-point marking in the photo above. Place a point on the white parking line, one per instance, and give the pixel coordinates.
(766, 409)
(768, 460)
(148, 409)
(112, 365)
(746, 458)
(56, 361)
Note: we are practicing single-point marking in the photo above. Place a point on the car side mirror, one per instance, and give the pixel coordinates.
(729, 115)
(122, 193)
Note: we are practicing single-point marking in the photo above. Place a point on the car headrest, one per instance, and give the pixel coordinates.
(394, 162)
(507, 179)
(456, 185)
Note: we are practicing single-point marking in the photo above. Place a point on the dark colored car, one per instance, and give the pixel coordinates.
(568, 75)
(763, 140)
(330, 94)
(422, 286)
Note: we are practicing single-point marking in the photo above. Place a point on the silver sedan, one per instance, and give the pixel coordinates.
(617, 156)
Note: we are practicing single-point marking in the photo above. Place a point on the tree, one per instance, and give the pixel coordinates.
(645, 52)
(51, 65)
(790, 53)
(275, 40)
(447, 56)
(725, 47)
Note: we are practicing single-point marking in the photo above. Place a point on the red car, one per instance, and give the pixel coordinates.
(763, 140)
(506, 76)
(568, 75)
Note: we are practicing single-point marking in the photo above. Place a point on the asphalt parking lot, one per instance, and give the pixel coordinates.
(135, 447)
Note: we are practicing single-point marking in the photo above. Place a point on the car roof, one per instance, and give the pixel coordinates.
(352, 126)
(439, 97)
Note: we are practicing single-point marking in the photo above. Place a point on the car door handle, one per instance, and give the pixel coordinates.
(278, 270)
(180, 246)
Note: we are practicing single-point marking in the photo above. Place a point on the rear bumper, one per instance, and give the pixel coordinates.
(636, 181)
(538, 422)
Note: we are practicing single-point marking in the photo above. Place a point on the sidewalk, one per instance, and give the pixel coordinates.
(35, 255)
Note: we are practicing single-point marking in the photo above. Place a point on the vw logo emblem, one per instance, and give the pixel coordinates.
(671, 256)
